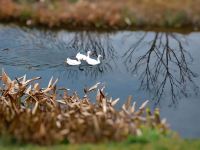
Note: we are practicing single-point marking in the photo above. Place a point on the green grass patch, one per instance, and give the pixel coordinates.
(161, 144)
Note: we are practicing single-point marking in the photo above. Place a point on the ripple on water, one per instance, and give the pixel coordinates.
(160, 66)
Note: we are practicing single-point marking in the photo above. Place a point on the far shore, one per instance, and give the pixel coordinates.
(103, 15)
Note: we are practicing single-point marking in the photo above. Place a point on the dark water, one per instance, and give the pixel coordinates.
(159, 66)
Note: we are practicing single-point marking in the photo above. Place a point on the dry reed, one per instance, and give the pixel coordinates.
(50, 115)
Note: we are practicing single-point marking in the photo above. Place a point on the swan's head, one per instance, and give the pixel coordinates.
(89, 53)
(100, 56)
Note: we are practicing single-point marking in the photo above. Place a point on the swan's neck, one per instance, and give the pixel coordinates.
(98, 58)
(88, 55)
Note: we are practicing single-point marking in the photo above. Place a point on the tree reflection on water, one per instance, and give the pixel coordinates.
(162, 66)
(161, 60)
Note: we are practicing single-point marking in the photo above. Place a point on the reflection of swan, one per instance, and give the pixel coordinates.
(73, 62)
(93, 62)
(80, 56)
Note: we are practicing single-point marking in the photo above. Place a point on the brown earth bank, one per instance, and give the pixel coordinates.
(104, 14)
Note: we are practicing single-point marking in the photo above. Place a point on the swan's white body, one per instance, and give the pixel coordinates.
(93, 62)
(73, 62)
(80, 56)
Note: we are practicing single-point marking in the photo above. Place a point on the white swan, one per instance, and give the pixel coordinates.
(80, 56)
(73, 62)
(93, 62)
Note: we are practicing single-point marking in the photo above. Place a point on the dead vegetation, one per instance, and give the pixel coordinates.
(109, 14)
(50, 115)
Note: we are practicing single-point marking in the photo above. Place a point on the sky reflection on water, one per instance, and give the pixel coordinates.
(162, 67)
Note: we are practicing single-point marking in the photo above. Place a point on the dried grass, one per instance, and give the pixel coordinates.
(32, 114)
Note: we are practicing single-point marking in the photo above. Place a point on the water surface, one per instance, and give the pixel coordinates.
(160, 66)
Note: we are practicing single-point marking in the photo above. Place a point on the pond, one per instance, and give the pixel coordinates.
(162, 67)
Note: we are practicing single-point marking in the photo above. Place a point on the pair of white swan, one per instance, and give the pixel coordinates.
(80, 57)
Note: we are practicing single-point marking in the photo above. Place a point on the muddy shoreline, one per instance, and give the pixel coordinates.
(182, 30)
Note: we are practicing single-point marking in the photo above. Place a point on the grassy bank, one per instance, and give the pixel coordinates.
(104, 14)
(163, 144)
(151, 140)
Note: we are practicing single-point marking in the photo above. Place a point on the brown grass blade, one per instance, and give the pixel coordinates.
(113, 103)
(144, 105)
(5, 78)
(35, 108)
(94, 87)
